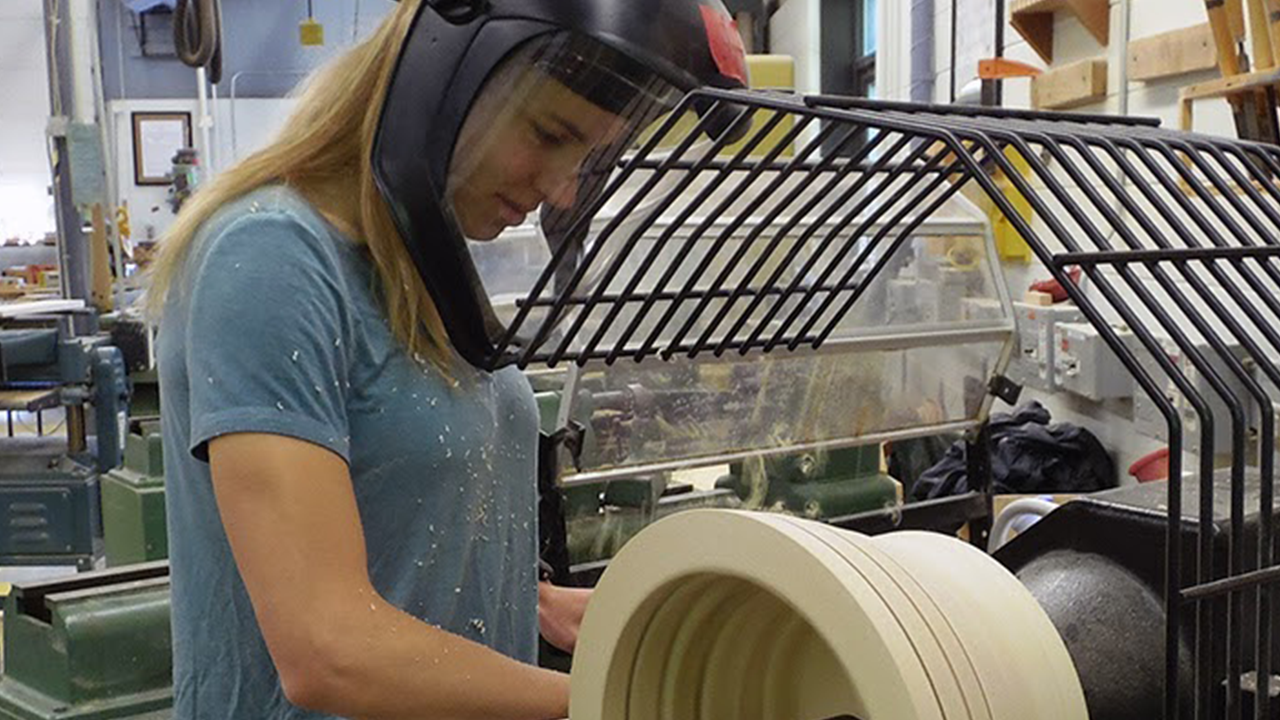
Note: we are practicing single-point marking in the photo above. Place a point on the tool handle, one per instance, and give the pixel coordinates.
(1228, 61)
(1259, 27)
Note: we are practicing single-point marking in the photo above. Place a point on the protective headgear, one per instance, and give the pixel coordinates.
(500, 107)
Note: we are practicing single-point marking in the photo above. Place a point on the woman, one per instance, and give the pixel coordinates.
(351, 502)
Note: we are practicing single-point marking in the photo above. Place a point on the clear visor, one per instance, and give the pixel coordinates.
(537, 148)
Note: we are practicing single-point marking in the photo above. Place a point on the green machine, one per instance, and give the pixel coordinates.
(93, 646)
(643, 442)
(50, 510)
(820, 485)
(602, 516)
(133, 514)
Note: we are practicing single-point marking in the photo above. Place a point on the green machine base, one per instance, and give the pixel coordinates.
(49, 508)
(93, 646)
(133, 514)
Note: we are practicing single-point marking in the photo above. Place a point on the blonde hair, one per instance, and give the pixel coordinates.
(329, 137)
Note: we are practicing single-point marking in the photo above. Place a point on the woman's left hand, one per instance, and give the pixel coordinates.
(560, 612)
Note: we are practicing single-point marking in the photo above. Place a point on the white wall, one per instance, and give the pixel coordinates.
(235, 134)
(26, 210)
(1072, 42)
(794, 31)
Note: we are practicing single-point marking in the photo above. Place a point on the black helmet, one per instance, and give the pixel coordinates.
(449, 157)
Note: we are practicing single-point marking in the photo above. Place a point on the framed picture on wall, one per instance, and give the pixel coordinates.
(157, 136)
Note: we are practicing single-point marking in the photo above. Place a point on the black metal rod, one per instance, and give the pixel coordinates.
(1205, 679)
(800, 244)
(669, 295)
(1263, 638)
(582, 358)
(843, 142)
(1266, 236)
(974, 111)
(1120, 257)
(999, 42)
(1146, 382)
(819, 251)
(834, 262)
(738, 254)
(858, 207)
(1235, 643)
(1234, 584)
(776, 165)
(796, 246)
(562, 253)
(639, 273)
(704, 263)
(602, 241)
(881, 262)
(775, 185)
(677, 262)
(864, 152)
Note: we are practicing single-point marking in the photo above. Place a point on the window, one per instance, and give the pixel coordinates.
(864, 61)
(849, 46)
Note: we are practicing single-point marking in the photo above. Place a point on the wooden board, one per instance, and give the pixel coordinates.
(1173, 53)
(99, 264)
(40, 307)
(1226, 87)
(1077, 84)
(30, 400)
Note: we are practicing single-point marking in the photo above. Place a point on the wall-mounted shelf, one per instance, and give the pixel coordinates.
(1033, 19)
(1071, 86)
(1231, 88)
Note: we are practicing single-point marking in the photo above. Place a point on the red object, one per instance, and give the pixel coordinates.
(1054, 288)
(1154, 466)
(726, 44)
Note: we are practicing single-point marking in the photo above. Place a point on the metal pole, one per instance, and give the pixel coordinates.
(73, 249)
(999, 84)
(205, 122)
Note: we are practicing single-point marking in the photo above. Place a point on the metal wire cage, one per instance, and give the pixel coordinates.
(1177, 236)
(778, 237)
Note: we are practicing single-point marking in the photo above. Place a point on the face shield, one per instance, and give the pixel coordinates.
(501, 130)
(533, 155)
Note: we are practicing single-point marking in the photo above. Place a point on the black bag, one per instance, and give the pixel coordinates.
(1028, 456)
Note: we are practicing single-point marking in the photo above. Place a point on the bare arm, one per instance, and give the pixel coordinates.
(340, 648)
(560, 613)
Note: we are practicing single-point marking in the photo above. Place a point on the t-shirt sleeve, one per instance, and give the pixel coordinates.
(268, 335)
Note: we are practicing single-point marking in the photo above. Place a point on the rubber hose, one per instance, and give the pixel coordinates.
(1014, 511)
(197, 35)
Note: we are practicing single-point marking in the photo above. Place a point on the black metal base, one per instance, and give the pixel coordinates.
(1097, 567)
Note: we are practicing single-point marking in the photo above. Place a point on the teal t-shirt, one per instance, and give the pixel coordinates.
(274, 326)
